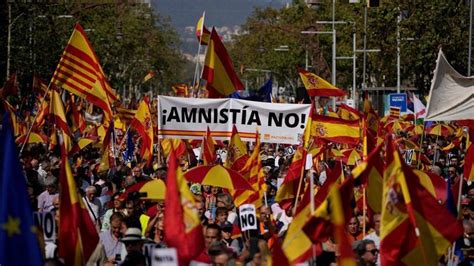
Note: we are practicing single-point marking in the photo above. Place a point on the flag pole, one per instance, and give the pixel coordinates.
(421, 143)
(34, 120)
(196, 69)
(298, 192)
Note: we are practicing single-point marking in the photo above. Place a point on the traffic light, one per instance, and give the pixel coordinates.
(373, 3)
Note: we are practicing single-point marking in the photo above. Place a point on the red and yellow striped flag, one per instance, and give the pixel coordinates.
(180, 90)
(219, 70)
(142, 124)
(316, 86)
(336, 129)
(79, 72)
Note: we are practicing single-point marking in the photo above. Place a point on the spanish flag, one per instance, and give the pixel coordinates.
(370, 116)
(237, 152)
(409, 210)
(218, 70)
(77, 233)
(79, 72)
(254, 173)
(370, 174)
(297, 245)
(348, 113)
(60, 121)
(148, 76)
(331, 218)
(184, 232)
(208, 150)
(296, 168)
(142, 124)
(316, 86)
(336, 129)
(202, 33)
(178, 145)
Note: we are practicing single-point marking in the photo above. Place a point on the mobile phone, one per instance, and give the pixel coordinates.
(118, 258)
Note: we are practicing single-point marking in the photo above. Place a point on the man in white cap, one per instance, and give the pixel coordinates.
(133, 241)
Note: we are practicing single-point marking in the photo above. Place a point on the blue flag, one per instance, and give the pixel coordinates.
(264, 94)
(18, 243)
(128, 155)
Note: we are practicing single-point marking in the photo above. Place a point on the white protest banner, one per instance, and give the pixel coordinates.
(164, 257)
(248, 217)
(188, 118)
(45, 221)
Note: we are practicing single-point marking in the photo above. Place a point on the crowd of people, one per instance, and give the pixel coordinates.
(126, 220)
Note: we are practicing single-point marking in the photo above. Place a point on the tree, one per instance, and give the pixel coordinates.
(129, 40)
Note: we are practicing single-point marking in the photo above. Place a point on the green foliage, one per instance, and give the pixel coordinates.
(431, 25)
(128, 39)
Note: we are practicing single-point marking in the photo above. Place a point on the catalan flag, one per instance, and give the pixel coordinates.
(335, 129)
(394, 112)
(316, 86)
(185, 234)
(143, 125)
(409, 210)
(79, 72)
(202, 33)
(181, 90)
(218, 69)
(125, 115)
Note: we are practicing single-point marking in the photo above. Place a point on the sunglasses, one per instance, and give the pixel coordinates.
(373, 251)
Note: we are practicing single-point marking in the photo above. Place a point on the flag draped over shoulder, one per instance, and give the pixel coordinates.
(185, 233)
(335, 129)
(79, 72)
(409, 210)
(202, 33)
(218, 69)
(316, 86)
(143, 125)
(16, 219)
